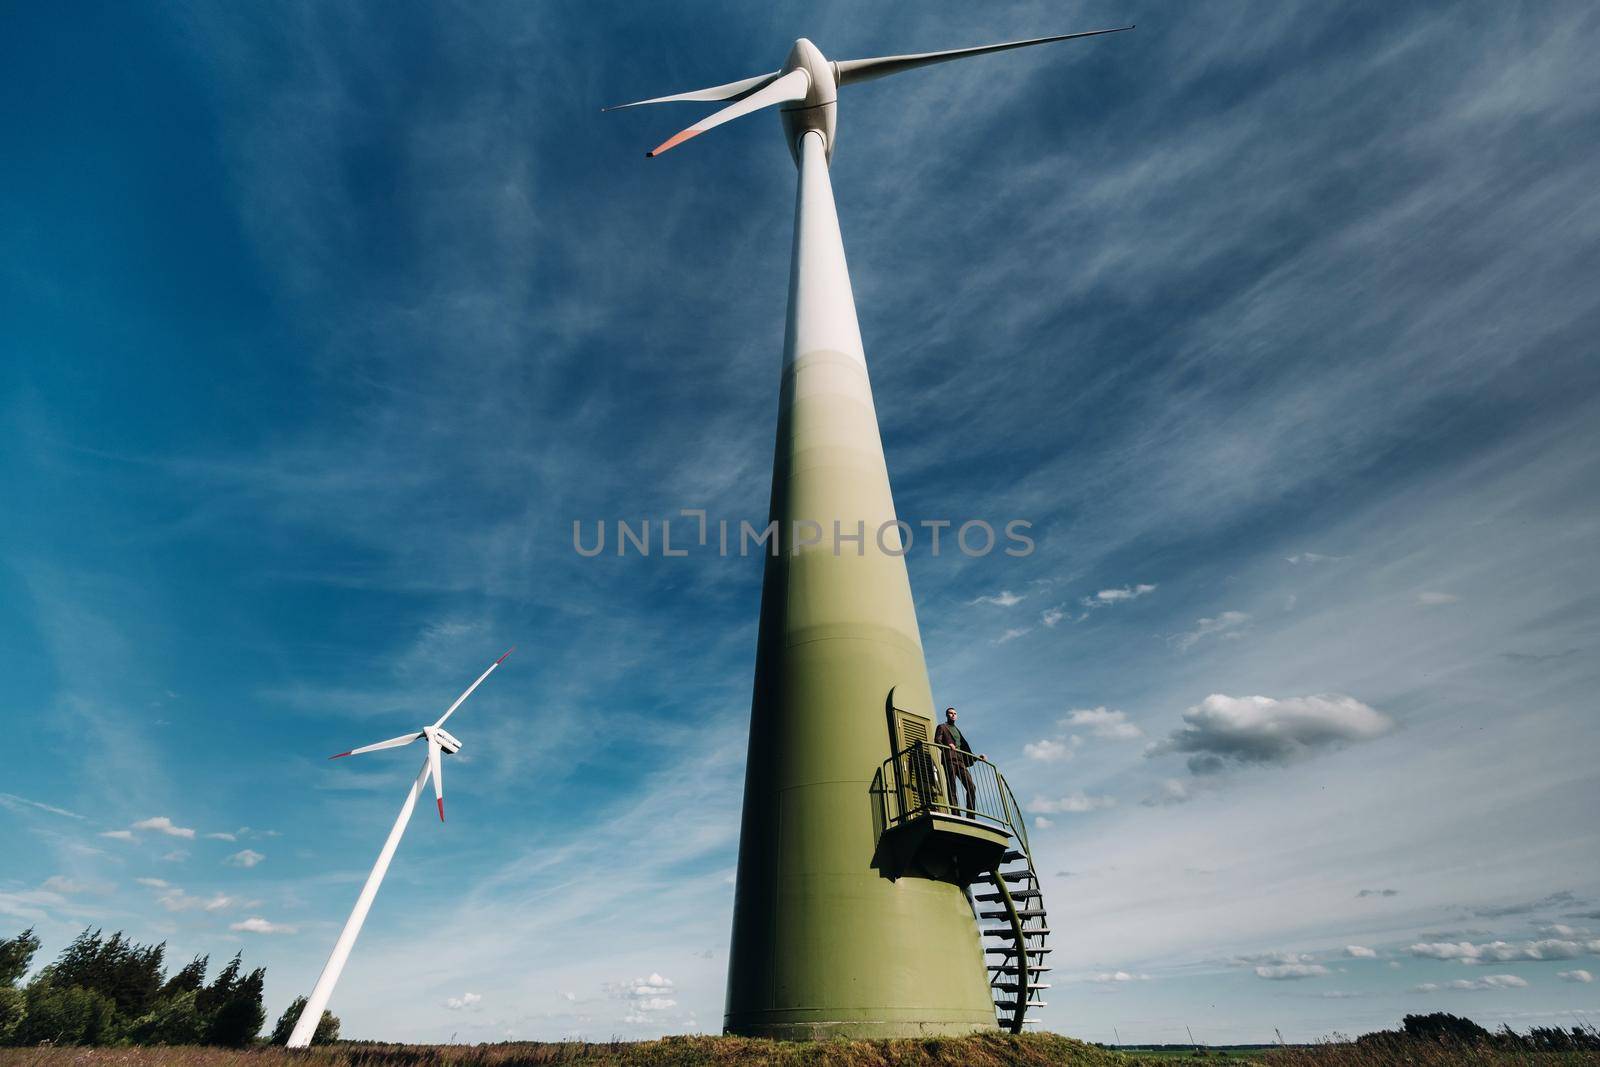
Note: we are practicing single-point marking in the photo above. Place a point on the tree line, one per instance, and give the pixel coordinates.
(113, 991)
(1443, 1028)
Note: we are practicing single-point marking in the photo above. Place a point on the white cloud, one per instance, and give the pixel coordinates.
(1005, 598)
(1272, 957)
(1434, 599)
(1134, 592)
(1280, 972)
(1110, 977)
(465, 1000)
(1360, 952)
(1012, 634)
(644, 995)
(221, 837)
(246, 857)
(1489, 981)
(162, 824)
(1051, 616)
(1047, 751)
(654, 985)
(153, 883)
(175, 899)
(1575, 976)
(1074, 804)
(1226, 625)
(119, 835)
(1172, 791)
(177, 855)
(257, 925)
(1313, 558)
(1043, 822)
(1260, 729)
(1503, 951)
(57, 883)
(1104, 722)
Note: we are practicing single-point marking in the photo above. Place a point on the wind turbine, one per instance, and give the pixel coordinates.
(440, 743)
(825, 941)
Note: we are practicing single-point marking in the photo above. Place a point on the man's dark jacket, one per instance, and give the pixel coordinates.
(945, 735)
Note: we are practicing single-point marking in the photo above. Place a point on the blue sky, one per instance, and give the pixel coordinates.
(323, 324)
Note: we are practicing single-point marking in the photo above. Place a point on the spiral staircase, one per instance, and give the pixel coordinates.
(981, 845)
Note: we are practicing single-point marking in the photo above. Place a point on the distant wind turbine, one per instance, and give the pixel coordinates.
(440, 743)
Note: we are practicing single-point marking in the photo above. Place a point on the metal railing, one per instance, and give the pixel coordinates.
(926, 778)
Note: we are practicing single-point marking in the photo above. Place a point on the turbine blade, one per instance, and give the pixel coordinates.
(393, 742)
(732, 91)
(436, 769)
(474, 685)
(850, 71)
(792, 86)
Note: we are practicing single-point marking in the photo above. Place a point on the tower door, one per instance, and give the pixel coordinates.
(918, 773)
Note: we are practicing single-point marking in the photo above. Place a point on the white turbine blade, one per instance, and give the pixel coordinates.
(436, 768)
(792, 86)
(732, 91)
(850, 71)
(393, 742)
(470, 688)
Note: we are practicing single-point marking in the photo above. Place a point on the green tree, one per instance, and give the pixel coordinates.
(174, 1021)
(327, 1027)
(209, 998)
(15, 955)
(13, 1009)
(188, 980)
(241, 1016)
(116, 967)
(68, 1015)
(1442, 1026)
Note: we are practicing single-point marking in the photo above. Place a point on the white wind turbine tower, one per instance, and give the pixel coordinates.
(440, 743)
(824, 944)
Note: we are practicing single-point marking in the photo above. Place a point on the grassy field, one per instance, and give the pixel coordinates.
(1032, 1050)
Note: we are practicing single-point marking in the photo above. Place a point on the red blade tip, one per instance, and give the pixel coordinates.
(675, 139)
(336, 755)
(508, 652)
(441, 809)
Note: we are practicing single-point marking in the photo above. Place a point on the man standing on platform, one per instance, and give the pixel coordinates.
(958, 756)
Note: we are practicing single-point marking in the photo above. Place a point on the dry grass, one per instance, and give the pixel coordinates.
(1029, 1050)
(1032, 1050)
(1422, 1054)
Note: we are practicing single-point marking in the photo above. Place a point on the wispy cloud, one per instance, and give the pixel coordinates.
(1118, 595)
(162, 825)
(1047, 751)
(1103, 722)
(1226, 626)
(22, 805)
(257, 925)
(1071, 804)
(1487, 982)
